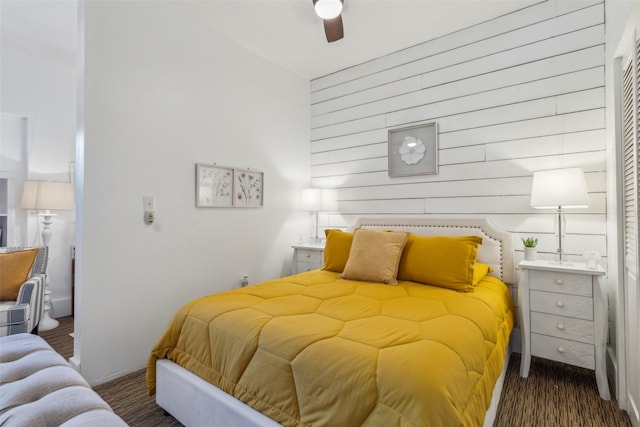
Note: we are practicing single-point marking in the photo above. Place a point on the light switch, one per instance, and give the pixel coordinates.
(149, 203)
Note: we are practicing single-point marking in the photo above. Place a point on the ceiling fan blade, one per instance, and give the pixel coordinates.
(333, 29)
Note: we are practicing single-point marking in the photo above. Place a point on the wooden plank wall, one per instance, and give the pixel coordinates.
(512, 95)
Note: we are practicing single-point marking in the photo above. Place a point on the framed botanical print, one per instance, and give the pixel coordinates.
(413, 150)
(248, 188)
(214, 186)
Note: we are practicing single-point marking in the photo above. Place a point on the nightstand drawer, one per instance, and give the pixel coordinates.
(311, 256)
(562, 327)
(554, 281)
(565, 351)
(307, 257)
(562, 304)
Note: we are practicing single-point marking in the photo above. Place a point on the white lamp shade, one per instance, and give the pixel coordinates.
(555, 188)
(47, 195)
(311, 199)
(328, 9)
(318, 199)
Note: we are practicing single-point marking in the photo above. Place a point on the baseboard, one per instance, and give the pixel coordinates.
(75, 363)
(61, 307)
(612, 376)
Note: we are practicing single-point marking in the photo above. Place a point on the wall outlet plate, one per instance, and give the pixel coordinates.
(149, 218)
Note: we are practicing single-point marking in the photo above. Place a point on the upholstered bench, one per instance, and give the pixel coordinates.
(39, 388)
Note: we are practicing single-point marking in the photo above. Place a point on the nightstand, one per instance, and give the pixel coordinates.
(307, 257)
(563, 316)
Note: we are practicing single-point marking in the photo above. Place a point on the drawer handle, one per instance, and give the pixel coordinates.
(560, 326)
(559, 282)
(308, 255)
(560, 349)
(560, 304)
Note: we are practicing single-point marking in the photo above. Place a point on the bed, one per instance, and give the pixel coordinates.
(360, 342)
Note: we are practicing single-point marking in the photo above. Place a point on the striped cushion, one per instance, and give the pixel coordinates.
(13, 319)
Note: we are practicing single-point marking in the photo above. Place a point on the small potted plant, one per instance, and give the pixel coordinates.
(530, 251)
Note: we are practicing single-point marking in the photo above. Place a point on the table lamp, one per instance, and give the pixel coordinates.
(559, 189)
(316, 200)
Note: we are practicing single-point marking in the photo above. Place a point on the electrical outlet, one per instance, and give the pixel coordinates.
(244, 281)
(149, 217)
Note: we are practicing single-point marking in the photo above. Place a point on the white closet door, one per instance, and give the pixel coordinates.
(629, 220)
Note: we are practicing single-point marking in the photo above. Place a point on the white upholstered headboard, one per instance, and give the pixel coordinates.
(497, 245)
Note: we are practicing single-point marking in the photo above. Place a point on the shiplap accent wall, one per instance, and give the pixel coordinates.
(512, 95)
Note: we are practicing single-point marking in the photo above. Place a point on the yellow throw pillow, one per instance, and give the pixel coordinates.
(445, 261)
(480, 270)
(336, 249)
(374, 256)
(14, 271)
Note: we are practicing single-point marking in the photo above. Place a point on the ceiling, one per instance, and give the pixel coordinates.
(286, 32)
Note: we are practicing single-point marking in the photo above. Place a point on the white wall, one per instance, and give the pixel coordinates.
(163, 92)
(512, 95)
(41, 88)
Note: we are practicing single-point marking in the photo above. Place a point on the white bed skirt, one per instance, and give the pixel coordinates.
(196, 403)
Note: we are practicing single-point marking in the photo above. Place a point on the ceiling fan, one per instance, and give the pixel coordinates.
(329, 11)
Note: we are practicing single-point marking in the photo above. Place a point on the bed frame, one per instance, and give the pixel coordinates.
(195, 402)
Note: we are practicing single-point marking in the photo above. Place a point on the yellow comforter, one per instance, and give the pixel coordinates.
(312, 350)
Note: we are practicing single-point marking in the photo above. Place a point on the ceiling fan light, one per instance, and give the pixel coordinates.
(328, 9)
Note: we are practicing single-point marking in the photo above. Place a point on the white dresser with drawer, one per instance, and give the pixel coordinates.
(563, 316)
(307, 257)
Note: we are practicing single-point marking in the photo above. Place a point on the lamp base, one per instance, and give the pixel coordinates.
(47, 322)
